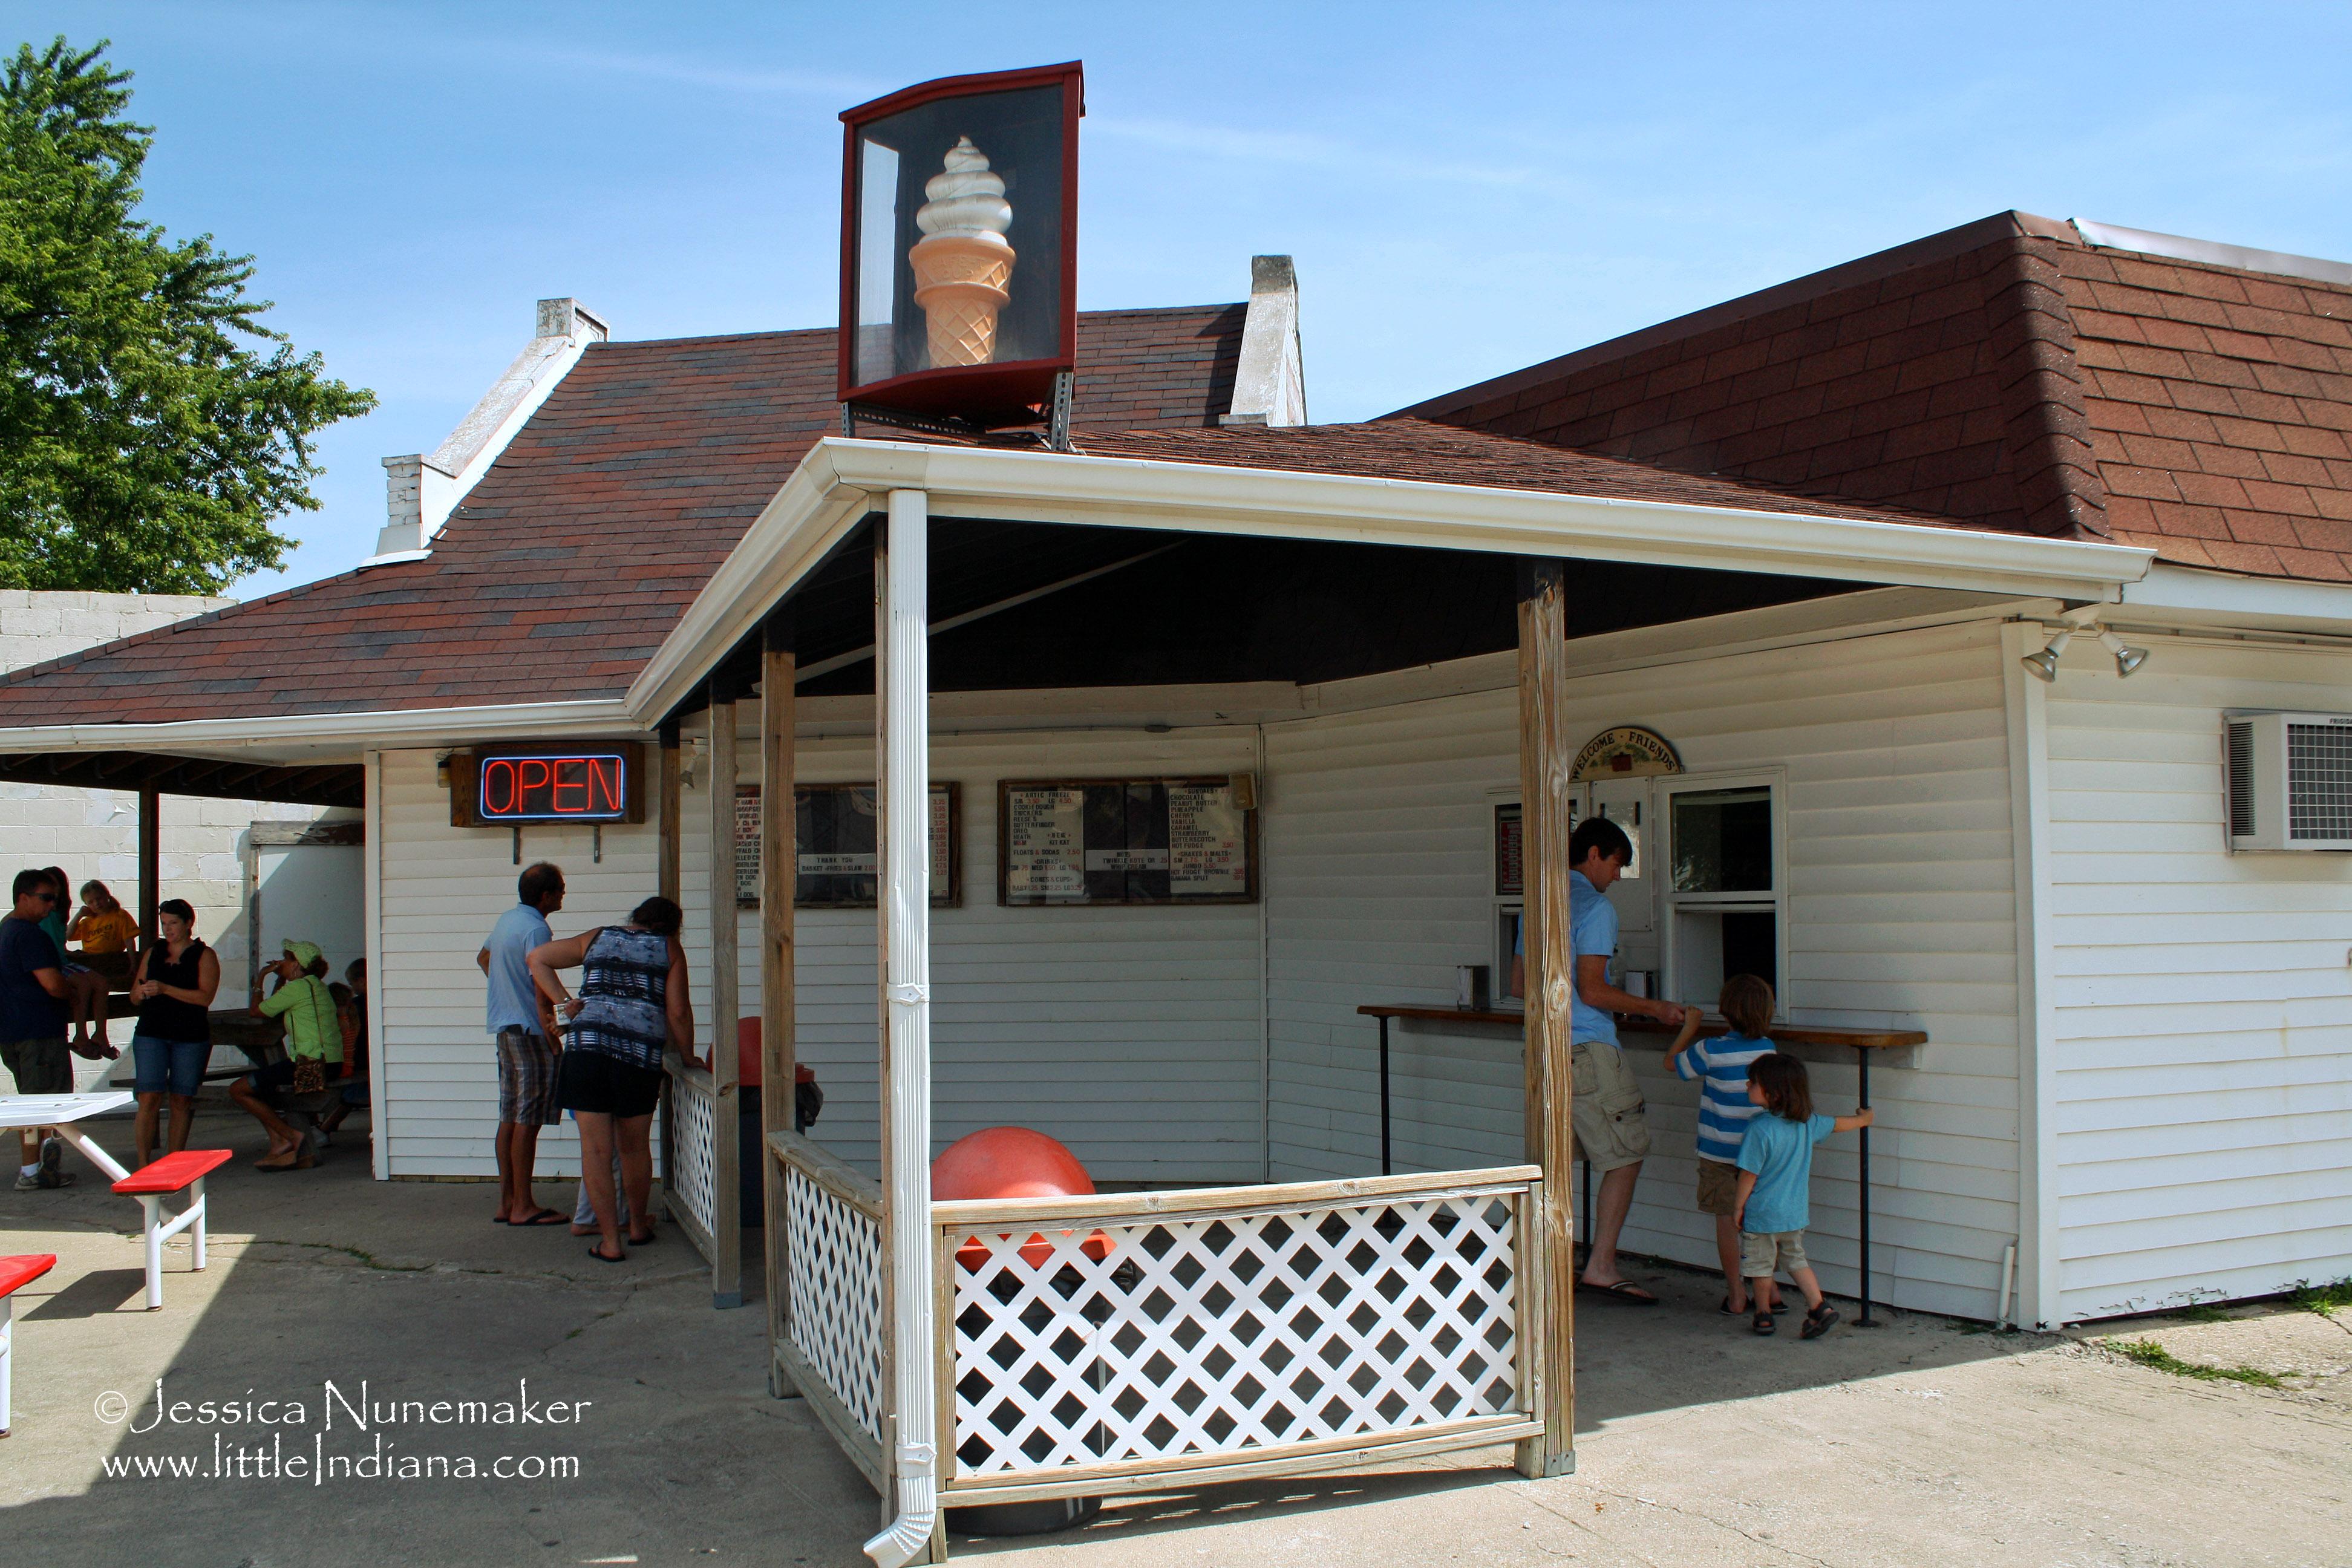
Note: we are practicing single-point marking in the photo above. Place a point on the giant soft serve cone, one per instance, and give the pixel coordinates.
(962, 265)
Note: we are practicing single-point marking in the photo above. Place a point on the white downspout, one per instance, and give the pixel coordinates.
(904, 677)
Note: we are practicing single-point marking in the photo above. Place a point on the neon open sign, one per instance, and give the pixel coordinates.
(512, 784)
(557, 787)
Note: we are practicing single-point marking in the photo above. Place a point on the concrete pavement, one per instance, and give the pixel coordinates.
(1916, 1444)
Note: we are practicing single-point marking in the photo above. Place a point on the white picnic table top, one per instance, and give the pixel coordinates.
(60, 1112)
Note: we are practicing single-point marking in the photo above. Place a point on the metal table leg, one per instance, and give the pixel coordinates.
(1866, 1320)
(1384, 1096)
(91, 1151)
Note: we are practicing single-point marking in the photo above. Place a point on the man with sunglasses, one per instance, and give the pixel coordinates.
(33, 1019)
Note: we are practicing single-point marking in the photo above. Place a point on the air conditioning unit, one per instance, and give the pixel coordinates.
(2290, 780)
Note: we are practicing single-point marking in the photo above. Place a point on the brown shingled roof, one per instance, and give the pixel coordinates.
(1427, 451)
(574, 556)
(2008, 374)
(2219, 403)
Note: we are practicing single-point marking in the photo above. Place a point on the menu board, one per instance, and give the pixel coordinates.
(1510, 852)
(839, 863)
(1124, 841)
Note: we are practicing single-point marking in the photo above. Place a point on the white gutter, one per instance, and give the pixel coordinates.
(837, 482)
(377, 728)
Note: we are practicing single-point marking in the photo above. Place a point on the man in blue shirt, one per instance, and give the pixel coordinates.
(1609, 1115)
(527, 1052)
(33, 1019)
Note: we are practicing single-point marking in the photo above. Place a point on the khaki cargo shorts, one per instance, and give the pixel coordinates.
(1719, 1188)
(1611, 1120)
(1763, 1254)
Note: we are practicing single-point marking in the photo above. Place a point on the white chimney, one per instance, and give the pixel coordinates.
(421, 491)
(1270, 385)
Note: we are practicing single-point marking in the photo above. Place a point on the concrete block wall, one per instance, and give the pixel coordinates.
(95, 832)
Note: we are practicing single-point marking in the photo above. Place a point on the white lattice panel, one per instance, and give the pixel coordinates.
(835, 1269)
(1228, 1335)
(694, 1164)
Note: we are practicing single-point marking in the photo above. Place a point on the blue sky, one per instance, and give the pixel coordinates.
(1466, 188)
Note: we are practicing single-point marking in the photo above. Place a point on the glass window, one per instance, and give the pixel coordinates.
(958, 235)
(1723, 841)
(1726, 886)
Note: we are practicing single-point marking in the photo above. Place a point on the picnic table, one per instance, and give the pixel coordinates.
(61, 1111)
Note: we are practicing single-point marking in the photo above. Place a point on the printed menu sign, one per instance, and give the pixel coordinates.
(1044, 845)
(1208, 842)
(839, 863)
(1124, 841)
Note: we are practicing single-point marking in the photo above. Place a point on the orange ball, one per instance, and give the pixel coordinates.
(1011, 1162)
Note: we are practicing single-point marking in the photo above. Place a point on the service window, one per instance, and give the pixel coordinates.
(1726, 883)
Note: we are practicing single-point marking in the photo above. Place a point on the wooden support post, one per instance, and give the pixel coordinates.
(150, 864)
(779, 669)
(666, 874)
(726, 1057)
(1546, 759)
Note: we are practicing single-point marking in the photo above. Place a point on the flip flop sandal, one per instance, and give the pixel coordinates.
(1763, 1324)
(645, 1240)
(1724, 1309)
(1818, 1321)
(1624, 1289)
(598, 1255)
(544, 1217)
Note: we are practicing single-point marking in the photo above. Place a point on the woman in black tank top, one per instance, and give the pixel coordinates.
(173, 986)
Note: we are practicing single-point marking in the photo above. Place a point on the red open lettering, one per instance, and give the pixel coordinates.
(498, 787)
(574, 785)
(606, 774)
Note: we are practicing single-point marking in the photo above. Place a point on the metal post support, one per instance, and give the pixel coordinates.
(902, 681)
(1861, 1062)
(150, 863)
(7, 1354)
(726, 1056)
(779, 674)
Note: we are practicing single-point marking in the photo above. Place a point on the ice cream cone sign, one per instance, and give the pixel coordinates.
(963, 264)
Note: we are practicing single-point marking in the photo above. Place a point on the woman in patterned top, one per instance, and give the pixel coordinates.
(632, 1004)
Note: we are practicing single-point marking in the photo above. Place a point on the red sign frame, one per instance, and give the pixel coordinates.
(986, 394)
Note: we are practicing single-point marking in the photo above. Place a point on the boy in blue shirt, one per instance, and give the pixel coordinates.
(1720, 1065)
(1776, 1170)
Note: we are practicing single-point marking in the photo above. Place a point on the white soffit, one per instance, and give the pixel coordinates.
(319, 738)
(841, 479)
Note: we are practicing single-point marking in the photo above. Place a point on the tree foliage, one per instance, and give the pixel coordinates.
(151, 428)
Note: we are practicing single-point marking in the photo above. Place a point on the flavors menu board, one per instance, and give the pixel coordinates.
(1124, 841)
(840, 867)
(1510, 852)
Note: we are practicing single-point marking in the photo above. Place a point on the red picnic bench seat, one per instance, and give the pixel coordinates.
(14, 1272)
(150, 1184)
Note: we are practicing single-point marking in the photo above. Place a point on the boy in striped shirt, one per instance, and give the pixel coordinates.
(1721, 1066)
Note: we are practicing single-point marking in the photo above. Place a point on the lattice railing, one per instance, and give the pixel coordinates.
(693, 1158)
(833, 1312)
(1163, 1331)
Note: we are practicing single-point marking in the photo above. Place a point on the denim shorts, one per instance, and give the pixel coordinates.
(176, 1065)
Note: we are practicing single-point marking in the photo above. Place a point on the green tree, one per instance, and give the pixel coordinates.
(151, 428)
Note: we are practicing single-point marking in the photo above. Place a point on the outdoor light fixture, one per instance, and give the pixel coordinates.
(2127, 659)
(2044, 666)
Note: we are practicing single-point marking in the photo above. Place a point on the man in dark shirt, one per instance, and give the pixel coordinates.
(33, 1018)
